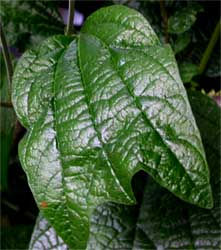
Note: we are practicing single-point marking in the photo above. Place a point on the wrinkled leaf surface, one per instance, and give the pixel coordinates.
(160, 221)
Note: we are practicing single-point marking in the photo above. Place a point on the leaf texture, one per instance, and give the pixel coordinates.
(159, 221)
(33, 79)
(45, 237)
(99, 108)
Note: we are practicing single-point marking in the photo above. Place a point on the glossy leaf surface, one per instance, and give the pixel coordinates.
(98, 110)
(161, 221)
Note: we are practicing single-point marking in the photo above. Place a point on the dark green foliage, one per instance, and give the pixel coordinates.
(214, 65)
(6, 127)
(27, 23)
(182, 42)
(15, 237)
(191, 24)
(183, 19)
(188, 71)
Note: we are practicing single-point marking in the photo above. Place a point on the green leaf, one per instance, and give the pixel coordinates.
(45, 237)
(183, 19)
(160, 221)
(182, 42)
(207, 114)
(98, 110)
(188, 71)
(33, 78)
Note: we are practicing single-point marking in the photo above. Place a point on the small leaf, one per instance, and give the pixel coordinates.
(99, 108)
(183, 19)
(188, 71)
(160, 221)
(182, 42)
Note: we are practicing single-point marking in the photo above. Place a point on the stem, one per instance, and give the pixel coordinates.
(6, 55)
(10, 205)
(70, 28)
(6, 104)
(165, 20)
(209, 49)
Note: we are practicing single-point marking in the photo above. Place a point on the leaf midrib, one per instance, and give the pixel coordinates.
(91, 113)
(56, 136)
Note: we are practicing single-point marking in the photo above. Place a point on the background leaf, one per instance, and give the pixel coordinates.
(182, 42)
(188, 71)
(27, 23)
(183, 19)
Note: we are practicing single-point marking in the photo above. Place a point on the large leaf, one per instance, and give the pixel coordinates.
(98, 110)
(161, 221)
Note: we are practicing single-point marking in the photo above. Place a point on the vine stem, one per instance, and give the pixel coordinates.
(209, 49)
(6, 55)
(6, 104)
(165, 20)
(9, 69)
(70, 28)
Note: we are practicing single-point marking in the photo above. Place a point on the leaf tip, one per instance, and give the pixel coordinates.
(210, 203)
(207, 202)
